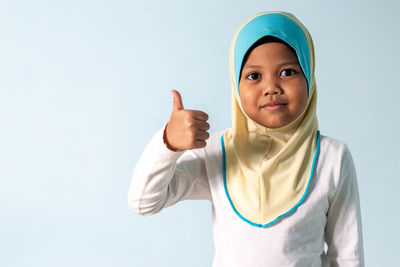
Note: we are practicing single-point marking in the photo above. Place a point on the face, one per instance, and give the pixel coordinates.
(272, 86)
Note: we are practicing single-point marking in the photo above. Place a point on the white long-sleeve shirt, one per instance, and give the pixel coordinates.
(329, 213)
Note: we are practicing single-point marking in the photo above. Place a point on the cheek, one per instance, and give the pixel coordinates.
(302, 97)
(300, 86)
(244, 103)
(243, 95)
(297, 93)
(247, 99)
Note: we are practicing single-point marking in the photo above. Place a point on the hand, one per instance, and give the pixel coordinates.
(186, 129)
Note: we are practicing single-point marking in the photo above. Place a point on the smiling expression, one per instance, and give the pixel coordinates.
(272, 85)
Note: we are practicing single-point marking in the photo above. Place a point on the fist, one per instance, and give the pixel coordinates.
(186, 129)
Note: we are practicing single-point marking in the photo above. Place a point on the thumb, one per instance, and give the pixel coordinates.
(177, 101)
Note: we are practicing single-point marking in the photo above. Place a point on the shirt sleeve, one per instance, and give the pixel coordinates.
(343, 232)
(163, 177)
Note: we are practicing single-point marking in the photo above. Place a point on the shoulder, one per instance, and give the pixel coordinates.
(334, 156)
(335, 161)
(332, 145)
(333, 150)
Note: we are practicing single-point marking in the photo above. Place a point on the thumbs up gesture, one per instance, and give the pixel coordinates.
(186, 129)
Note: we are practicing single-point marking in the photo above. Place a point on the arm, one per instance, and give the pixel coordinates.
(343, 232)
(163, 177)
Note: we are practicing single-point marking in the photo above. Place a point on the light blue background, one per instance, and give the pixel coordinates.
(85, 84)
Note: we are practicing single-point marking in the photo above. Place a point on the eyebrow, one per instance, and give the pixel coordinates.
(282, 64)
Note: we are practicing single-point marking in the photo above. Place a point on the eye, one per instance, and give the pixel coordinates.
(253, 76)
(288, 72)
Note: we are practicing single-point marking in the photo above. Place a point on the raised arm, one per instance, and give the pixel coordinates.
(343, 232)
(172, 166)
(163, 177)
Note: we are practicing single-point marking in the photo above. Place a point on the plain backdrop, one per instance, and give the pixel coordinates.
(84, 85)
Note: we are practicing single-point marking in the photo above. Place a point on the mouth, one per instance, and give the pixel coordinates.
(274, 105)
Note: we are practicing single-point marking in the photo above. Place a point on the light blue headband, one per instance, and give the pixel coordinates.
(277, 25)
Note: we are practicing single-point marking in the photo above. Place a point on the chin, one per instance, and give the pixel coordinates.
(274, 125)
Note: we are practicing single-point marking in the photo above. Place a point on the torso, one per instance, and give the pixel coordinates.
(295, 240)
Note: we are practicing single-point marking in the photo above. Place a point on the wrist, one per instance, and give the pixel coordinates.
(166, 140)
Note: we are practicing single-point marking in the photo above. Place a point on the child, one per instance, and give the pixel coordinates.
(278, 188)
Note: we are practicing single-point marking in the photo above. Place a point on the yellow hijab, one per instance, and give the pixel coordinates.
(267, 171)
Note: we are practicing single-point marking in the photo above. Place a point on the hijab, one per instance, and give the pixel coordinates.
(267, 171)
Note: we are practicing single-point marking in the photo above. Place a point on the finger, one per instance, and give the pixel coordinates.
(178, 105)
(201, 125)
(200, 115)
(199, 144)
(202, 135)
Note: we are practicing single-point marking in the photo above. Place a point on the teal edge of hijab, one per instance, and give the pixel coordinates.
(277, 25)
(284, 214)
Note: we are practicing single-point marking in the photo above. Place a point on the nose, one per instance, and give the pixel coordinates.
(272, 87)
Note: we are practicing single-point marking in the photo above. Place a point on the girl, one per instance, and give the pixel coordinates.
(279, 190)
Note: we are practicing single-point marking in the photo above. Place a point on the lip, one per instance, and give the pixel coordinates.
(274, 105)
